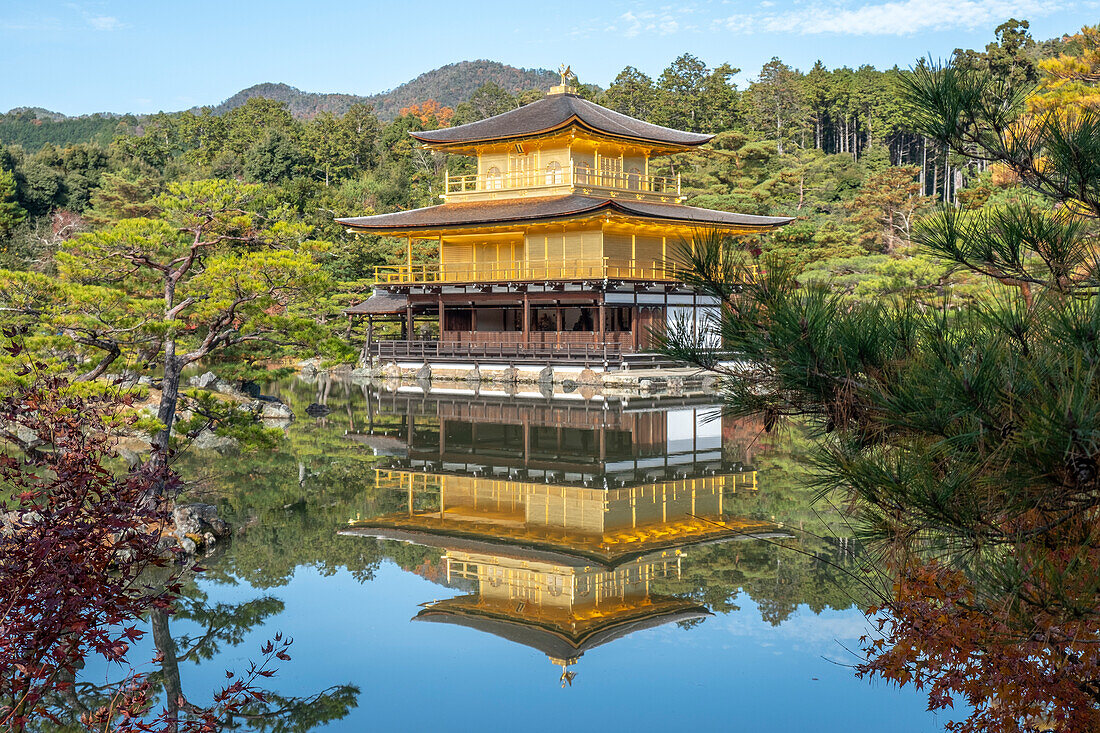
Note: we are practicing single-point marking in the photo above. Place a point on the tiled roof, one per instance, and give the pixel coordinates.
(555, 112)
(474, 213)
(379, 303)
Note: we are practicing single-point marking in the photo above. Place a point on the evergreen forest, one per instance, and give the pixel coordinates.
(835, 148)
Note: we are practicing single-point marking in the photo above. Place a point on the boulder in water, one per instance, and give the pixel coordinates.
(209, 440)
(198, 522)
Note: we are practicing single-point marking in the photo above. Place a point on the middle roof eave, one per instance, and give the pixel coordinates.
(550, 208)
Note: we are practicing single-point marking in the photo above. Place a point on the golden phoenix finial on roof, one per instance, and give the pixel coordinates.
(566, 73)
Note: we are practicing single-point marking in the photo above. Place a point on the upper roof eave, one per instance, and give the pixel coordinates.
(656, 145)
(555, 112)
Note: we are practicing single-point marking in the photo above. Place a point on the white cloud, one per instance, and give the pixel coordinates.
(662, 22)
(104, 22)
(812, 17)
(899, 18)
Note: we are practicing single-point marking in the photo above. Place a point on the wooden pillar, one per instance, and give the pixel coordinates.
(526, 319)
(665, 314)
(370, 336)
(635, 325)
(442, 320)
(602, 337)
(408, 323)
(558, 321)
(409, 252)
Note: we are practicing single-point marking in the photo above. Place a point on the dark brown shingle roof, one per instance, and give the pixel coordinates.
(379, 303)
(474, 213)
(556, 112)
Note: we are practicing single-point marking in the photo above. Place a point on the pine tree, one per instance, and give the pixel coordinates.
(11, 213)
(777, 102)
(679, 89)
(631, 93)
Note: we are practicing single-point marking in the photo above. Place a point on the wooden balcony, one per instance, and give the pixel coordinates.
(526, 271)
(572, 179)
(581, 354)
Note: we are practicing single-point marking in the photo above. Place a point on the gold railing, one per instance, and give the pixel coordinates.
(536, 270)
(573, 176)
(533, 270)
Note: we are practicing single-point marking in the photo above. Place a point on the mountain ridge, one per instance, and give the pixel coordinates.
(449, 85)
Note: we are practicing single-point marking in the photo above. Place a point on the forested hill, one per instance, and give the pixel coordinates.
(455, 83)
(449, 85)
(300, 104)
(33, 127)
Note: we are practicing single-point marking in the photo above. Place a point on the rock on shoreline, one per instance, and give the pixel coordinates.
(198, 525)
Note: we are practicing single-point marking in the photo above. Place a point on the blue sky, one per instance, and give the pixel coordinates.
(150, 55)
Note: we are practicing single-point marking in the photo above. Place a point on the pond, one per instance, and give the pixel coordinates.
(466, 559)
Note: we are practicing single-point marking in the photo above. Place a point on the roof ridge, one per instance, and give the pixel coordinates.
(555, 112)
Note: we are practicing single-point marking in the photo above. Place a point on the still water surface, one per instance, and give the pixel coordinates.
(467, 560)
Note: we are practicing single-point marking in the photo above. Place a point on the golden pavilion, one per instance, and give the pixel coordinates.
(563, 534)
(560, 249)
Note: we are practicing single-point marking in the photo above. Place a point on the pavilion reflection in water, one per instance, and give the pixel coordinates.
(561, 519)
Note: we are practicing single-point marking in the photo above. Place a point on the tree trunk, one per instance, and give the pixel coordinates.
(778, 132)
(170, 391)
(113, 352)
(166, 413)
(923, 166)
(169, 664)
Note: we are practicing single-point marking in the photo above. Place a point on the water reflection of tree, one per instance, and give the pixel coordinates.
(223, 624)
(290, 502)
(819, 566)
(778, 577)
(214, 628)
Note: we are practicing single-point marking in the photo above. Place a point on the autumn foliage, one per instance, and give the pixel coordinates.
(430, 111)
(76, 543)
(1017, 665)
